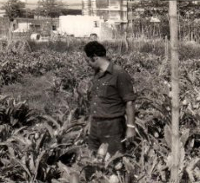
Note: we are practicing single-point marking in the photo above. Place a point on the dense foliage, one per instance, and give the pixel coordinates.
(44, 113)
(13, 9)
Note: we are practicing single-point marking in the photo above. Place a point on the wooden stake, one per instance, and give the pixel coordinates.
(175, 90)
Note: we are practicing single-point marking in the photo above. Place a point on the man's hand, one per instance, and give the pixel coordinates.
(130, 134)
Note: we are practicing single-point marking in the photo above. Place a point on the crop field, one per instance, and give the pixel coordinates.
(44, 100)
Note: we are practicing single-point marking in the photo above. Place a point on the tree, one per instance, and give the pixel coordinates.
(71, 12)
(175, 91)
(28, 13)
(50, 8)
(14, 9)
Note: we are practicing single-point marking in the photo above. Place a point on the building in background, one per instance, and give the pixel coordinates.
(108, 10)
(43, 26)
(2, 13)
(113, 13)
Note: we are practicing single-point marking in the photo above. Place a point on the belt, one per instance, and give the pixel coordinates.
(103, 119)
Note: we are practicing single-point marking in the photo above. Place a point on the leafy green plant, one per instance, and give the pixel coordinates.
(50, 144)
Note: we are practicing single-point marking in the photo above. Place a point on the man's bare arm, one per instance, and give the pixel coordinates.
(130, 122)
(130, 113)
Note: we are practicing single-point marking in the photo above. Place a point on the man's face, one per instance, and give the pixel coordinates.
(93, 62)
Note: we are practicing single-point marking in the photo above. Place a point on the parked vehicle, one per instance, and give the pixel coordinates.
(80, 26)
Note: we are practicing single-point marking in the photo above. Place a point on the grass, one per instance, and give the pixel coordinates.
(35, 91)
(69, 44)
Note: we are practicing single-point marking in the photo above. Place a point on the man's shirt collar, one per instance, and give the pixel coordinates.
(110, 68)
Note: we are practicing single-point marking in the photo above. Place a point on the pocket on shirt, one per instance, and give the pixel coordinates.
(103, 90)
(106, 90)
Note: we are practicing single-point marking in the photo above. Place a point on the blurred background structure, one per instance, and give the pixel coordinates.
(112, 19)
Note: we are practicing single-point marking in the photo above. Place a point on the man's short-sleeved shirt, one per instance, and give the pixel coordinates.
(110, 92)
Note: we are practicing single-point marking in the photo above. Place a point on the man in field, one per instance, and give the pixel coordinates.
(112, 99)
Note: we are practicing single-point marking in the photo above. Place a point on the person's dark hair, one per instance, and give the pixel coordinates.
(94, 48)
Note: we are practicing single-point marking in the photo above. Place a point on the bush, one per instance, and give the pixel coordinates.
(189, 50)
(66, 45)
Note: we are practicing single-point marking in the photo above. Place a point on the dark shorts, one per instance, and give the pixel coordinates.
(110, 131)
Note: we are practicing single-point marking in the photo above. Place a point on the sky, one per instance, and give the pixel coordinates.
(33, 3)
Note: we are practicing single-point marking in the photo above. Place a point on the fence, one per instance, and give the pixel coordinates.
(189, 30)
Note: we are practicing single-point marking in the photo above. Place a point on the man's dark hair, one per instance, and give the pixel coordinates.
(94, 48)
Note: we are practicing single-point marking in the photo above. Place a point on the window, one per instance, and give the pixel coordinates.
(102, 4)
(96, 24)
(37, 26)
(54, 27)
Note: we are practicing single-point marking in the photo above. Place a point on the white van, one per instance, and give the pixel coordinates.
(80, 26)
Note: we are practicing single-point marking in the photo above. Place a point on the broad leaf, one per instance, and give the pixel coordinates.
(168, 135)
